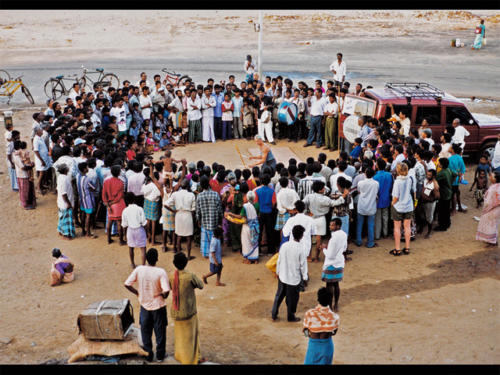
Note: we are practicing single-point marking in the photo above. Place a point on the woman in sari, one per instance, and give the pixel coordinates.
(184, 313)
(62, 269)
(487, 229)
(250, 230)
(480, 35)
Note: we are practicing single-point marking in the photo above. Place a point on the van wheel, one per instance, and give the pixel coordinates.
(489, 149)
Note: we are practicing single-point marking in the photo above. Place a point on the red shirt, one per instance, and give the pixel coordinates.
(130, 154)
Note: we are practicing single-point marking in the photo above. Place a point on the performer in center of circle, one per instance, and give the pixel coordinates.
(266, 158)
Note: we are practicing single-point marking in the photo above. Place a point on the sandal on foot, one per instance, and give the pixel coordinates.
(395, 252)
(406, 251)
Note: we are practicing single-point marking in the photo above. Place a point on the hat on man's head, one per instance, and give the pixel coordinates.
(231, 176)
(191, 165)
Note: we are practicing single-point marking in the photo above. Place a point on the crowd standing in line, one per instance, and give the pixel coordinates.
(95, 151)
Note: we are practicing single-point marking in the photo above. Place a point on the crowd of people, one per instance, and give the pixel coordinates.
(97, 153)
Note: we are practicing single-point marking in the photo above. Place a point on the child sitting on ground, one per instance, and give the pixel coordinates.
(215, 257)
(151, 145)
(164, 142)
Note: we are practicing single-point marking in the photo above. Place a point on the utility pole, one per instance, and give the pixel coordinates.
(260, 45)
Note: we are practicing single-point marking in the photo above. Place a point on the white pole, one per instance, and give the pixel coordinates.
(260, 45)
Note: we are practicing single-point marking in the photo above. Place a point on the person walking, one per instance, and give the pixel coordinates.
(291, 268)
(152, 289)
(480, 36)
(184, 312)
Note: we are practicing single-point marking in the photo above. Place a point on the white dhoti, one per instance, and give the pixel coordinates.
(207, 123)
(320, 225)
(184, 223)
(266, 129)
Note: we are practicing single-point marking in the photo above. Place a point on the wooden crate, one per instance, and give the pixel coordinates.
(106, 320)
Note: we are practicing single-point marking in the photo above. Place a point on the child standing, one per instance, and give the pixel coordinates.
(248, 114)
(185, 129)
(215, 257)
(481, 184)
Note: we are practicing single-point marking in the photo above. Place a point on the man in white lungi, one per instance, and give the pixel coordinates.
(208, 104)
(184, 202)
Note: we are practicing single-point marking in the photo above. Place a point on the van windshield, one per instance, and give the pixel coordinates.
(359, 105)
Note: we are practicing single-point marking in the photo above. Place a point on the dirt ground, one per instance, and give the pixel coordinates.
(438, 305)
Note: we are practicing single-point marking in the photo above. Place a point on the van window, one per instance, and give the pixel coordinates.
(457, 112)
(431, 113)
(397, 108)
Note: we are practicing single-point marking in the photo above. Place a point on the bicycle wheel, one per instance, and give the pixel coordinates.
(4, 76)
(53, 89)
(109, 80)
(27, 93)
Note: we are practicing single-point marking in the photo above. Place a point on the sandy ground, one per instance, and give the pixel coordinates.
(379, 45)
(438, 305)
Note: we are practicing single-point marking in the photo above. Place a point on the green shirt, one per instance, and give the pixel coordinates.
(188, 282)
(445, 179)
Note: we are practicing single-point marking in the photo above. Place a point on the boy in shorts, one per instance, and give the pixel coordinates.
(215, 257)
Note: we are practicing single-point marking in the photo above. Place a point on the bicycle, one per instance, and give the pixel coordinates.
(174, 78)
(54, 88)
(9, 86)
(106, 80)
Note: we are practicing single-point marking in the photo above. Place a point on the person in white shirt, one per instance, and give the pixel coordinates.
(194, 117)
(74, 92)
(367, 207)
(120, 113)
(445, 145)
(342, 166)
(495, 161)
(398, 157)
(331, 129)
(134, 222)
(135, 181)
(403, 120)
(208, 104)
(298, 129)
(153, 194)
(338, 68)
(291, 268)
(249, 68)
(285, 202)
(65, 201)
(265, 125)
(306, 221)
(317, 106)
(460, 134)
(333, 266)
(146, 104)
(144, 78)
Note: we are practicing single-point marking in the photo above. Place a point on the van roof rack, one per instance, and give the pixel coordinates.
(415, 90)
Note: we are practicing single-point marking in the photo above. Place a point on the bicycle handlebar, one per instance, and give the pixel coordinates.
(164, 70)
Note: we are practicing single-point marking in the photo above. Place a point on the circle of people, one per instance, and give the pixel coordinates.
(97, 153)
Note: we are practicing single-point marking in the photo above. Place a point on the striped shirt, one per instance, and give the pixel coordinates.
(321, 319)
(85, 192)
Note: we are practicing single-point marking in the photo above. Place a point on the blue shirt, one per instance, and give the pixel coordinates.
(355, 152)
(265, 199)
(457, 165)
(238, 103)
(164, 142)
(384, 180)
(134, 132)
(218, 104)
(215, 249)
